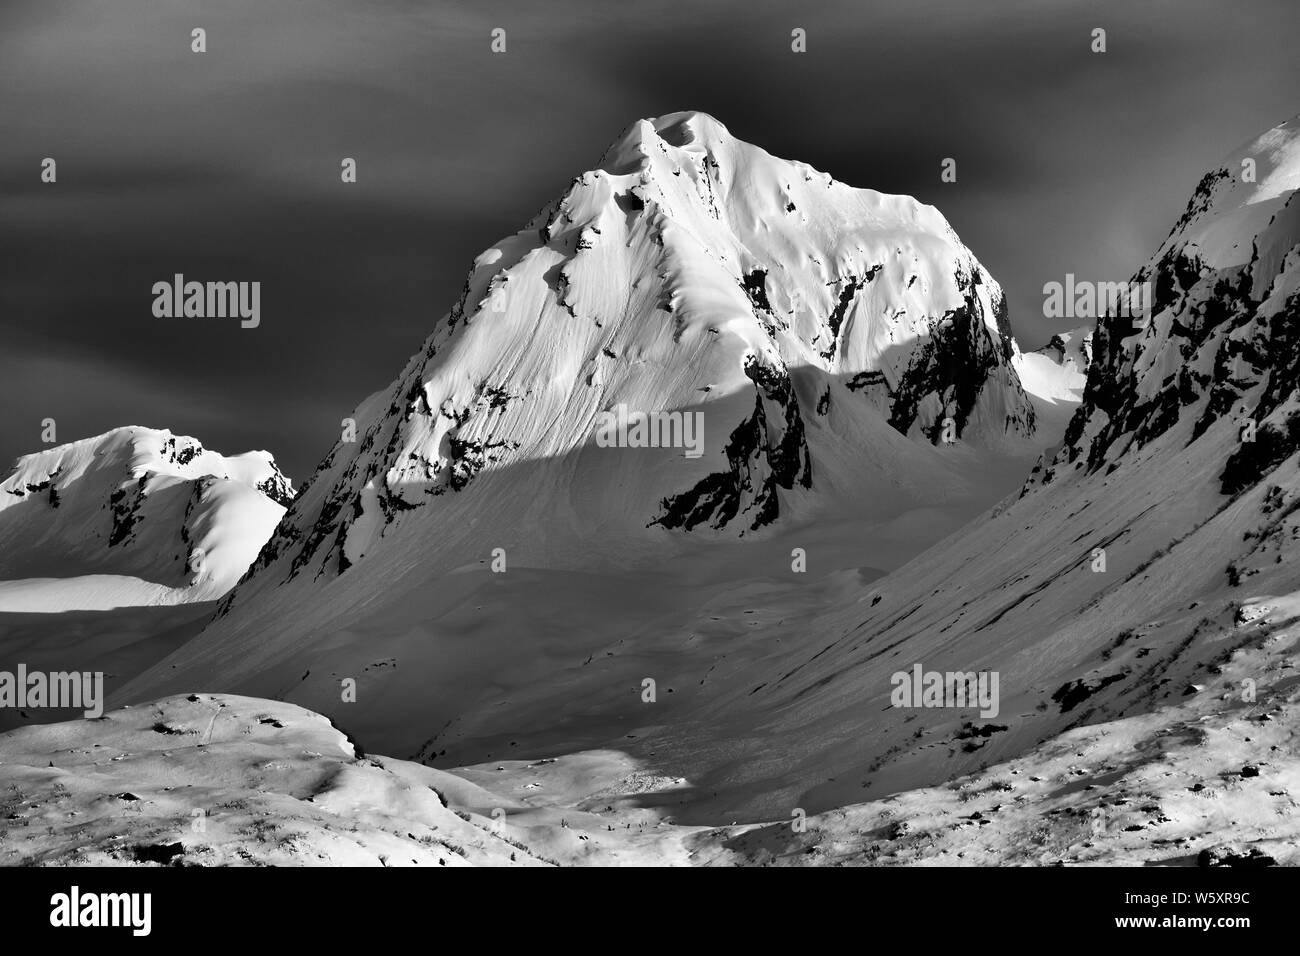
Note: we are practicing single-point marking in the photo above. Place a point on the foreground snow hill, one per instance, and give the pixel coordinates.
(216, 780)
(133, 516)
(850, 360)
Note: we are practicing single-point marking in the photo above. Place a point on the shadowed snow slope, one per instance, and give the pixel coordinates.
(133, 516)
(1206, 780)
(1210, 779)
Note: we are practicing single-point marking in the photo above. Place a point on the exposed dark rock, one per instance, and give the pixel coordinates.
(763, 453)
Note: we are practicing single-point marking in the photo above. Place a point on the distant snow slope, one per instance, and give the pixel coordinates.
(133, 516)
(824, 333)
(1054, 378)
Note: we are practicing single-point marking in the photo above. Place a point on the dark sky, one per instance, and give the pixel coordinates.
(225, 165)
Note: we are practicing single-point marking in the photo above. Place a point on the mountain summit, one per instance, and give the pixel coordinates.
(1224, 343)
(848, 361)
(829, 337)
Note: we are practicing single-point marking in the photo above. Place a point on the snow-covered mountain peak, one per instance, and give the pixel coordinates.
(689, 273)
(1220, 342)
(1238, 199)
(791, 238)
(140, 452)
(140, 503)
(1277, 155)
(688, 131)
(777, 350)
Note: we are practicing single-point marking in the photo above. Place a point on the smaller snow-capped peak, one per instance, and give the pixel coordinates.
(1238, 199)
(1219, 343)
(143, 503)
(1058, 371)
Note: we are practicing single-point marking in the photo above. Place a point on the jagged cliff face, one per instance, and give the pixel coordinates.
(689, 272)
(144, 503)
(1222, 340)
